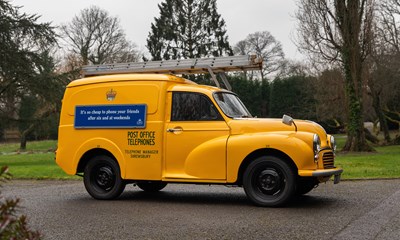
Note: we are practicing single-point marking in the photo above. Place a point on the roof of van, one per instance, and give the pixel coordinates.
(129, 77)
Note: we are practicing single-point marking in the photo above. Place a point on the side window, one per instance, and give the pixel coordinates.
(193, 107)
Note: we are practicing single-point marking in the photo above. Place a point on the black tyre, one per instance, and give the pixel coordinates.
(305, 185)
(102, 178)
(269, 182)
(151, 186)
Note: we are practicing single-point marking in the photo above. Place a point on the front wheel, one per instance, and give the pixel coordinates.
(102, 178)
(269, 181)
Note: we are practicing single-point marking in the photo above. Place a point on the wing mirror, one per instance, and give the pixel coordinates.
(288, 120)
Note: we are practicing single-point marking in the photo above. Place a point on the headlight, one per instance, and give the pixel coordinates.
(333, 144)
(316, 146)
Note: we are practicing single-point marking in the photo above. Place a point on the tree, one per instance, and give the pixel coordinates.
(340, 30)
(21, 39)
(294, 96)
(265, 46)
(254, 94)
(188, 29)
(384, 64)
(291, 67)
(42, 100)
(98, 38)
(381, 82)
(24, 52)
(389, 24)
(330, 99)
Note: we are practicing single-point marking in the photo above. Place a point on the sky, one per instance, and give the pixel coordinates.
(242, 17)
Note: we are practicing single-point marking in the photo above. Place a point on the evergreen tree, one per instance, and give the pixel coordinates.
(21, 39)
(294, 96)
(253, 92)
(26, 70)
(188, 29)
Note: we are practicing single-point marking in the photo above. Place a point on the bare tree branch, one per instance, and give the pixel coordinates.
(340, 31)
(265, 46)
(98, 38)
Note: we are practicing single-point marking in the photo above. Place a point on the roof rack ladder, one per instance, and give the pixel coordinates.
(213, 66)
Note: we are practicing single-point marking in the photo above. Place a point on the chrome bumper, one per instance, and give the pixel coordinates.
(323, 173)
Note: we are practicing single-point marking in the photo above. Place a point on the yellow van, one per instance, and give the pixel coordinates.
(153, 129)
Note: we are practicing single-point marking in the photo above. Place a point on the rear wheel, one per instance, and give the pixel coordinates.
(102, 178)
(151, 186)
(269, 181)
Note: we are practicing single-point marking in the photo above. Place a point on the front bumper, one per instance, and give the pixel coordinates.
(323, 173)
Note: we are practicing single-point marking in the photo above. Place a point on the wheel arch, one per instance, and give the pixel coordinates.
(95, 147)
(89, 155)
(259, 153)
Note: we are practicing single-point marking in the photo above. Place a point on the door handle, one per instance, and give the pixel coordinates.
(175, 130)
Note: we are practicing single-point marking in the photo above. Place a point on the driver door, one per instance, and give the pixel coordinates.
(196, 138)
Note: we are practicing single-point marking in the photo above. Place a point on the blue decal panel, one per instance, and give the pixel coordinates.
(111, 116)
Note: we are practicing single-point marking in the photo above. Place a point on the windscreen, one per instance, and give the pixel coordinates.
(231, 105)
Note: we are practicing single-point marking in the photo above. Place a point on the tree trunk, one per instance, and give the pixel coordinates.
(376, 103)
(370, 137)
(32, 127)
(25, 133)
(356, 141)
(348, 13)
(396, 140)
(22, 145)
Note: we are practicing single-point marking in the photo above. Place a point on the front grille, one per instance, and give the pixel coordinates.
(329, 160)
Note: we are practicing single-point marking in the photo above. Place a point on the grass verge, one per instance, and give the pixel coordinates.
(36, 162)
(34, 166)
(31, 147)
(384, 163)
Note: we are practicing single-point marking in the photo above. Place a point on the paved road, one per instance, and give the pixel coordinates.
(349, 210)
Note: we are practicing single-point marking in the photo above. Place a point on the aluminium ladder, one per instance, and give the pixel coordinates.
(214, 65)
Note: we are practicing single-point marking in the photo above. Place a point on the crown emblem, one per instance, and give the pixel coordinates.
(111, 95)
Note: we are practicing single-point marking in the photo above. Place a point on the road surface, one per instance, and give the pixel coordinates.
(349, 210)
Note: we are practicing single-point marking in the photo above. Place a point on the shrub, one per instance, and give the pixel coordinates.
(13, 226)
